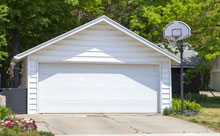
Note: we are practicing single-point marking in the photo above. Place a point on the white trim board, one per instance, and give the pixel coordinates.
(116, 25)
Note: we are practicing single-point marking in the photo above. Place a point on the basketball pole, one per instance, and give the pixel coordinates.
(180, 46)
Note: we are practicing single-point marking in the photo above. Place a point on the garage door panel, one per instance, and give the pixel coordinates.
(75, 87)
(99, 107)
(102, 94)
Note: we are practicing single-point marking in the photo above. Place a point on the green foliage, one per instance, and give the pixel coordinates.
(12, 132)
(45, 133)
(211, 102)
(203, 71)
(168, 111)
(150, 17)
(192, 105)
(3, 20)
(195, 97)
(176, 105)
(39, 21)
(5, 112)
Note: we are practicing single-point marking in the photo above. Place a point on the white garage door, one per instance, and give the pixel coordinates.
(98, 88)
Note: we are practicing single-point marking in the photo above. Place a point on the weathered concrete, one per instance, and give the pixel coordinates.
(173, 134)
(89, 124)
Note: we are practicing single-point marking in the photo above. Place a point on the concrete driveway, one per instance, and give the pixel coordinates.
(70, 124)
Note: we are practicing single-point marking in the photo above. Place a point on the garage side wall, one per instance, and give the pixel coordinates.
(100, 43)
(32, 85)
(215, 74)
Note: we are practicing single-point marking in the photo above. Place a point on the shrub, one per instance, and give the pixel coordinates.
(5, 112)
(192, 105)
(168, 111)
(195, 97)
(176, 105)
(192, 97)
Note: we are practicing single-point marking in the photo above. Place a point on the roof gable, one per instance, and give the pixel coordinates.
(89, 24)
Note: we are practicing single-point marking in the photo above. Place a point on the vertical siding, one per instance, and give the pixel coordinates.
(166, 84)
(103, 44)
(32, 85)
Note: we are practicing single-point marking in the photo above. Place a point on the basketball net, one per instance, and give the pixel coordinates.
(173, 42)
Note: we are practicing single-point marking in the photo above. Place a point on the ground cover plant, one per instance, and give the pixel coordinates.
(188, 105)
(176, 107)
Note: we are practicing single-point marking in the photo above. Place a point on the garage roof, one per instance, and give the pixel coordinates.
(116, 25)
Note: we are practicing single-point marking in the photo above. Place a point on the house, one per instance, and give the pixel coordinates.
(215, 74)
(99, 67)
(189, 62)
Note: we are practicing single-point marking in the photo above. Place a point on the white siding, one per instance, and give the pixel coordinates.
(32, 85)
(215, 74)
(100, 43)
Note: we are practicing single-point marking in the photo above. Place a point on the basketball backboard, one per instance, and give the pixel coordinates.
(176, 30)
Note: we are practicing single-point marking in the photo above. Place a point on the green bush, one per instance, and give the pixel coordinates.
(168, 111)
(192, 105)
(195, 97)
(192, 97)
(176, 105)
(5, 112)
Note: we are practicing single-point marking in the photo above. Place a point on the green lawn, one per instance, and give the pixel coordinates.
(215, 92)
(209, 116)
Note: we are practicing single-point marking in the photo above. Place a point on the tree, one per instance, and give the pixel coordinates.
(3, 43)
(3, 20)
(33, 22)
(150, 17)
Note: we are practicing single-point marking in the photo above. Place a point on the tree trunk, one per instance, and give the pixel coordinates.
(15, 51)
(202, 81)
(3, 78)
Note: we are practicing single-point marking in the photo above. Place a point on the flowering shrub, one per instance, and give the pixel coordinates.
(19, 125)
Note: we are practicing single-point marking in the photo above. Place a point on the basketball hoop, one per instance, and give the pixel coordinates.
(172, 42)
(174, 32)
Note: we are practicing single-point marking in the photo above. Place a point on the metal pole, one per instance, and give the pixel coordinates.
(181, 74)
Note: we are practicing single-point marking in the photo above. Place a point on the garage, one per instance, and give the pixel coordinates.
(99, 67)
(98, 88)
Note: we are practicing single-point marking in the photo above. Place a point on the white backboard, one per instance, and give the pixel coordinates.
(176, 30)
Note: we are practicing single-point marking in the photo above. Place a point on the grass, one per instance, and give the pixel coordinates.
(211, 102)
(209, 116)
(215, 92)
